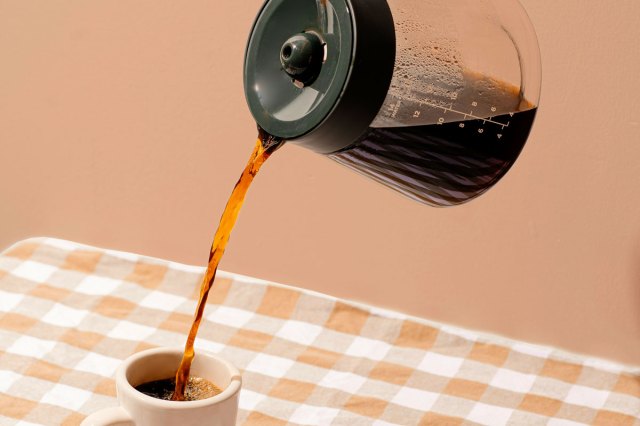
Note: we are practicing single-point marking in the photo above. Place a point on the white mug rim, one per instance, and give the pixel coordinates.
(131, 393)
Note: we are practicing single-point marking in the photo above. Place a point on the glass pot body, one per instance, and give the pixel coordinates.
(461, 103)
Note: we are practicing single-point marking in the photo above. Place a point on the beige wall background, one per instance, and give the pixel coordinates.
(123, 124)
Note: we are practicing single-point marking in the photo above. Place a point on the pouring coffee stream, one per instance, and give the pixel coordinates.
(432, 99)
(265, 146)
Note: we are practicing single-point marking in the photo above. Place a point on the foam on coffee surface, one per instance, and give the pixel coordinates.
(197, 388)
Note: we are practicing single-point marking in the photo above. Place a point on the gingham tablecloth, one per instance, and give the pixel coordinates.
(70, 313)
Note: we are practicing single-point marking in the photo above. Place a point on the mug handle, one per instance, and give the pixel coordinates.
(114, 416)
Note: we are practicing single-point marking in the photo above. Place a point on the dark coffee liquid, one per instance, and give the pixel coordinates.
(197, 388)
(264, 147)
(441, 164)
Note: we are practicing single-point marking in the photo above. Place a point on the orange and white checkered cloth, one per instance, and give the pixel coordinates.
(70, 313)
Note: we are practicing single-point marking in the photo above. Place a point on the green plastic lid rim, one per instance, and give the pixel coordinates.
(346, 111)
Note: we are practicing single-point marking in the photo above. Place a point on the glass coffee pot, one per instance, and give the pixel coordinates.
(432, 98)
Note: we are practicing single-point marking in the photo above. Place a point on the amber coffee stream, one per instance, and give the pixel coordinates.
(265, 146)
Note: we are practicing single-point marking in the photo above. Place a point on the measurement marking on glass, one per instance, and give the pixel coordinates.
(470, 114)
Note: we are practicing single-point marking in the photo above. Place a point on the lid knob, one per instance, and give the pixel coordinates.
(301, 57)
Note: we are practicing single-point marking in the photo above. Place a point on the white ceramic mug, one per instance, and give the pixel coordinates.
(138, 409)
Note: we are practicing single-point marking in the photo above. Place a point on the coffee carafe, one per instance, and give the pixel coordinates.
(432, 98)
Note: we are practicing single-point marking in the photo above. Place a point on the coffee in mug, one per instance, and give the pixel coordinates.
(197, 388)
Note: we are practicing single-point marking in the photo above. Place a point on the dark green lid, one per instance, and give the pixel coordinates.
(317, 71)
